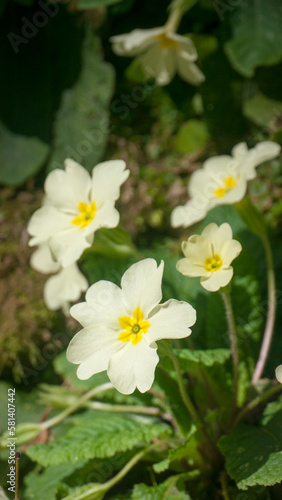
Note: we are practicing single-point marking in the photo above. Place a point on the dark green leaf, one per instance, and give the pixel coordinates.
(81, 126)
(20, 157)
(253, 454)
(256, 35)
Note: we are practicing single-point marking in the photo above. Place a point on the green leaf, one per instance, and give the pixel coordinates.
(261, 110)
(93, 4)
(186, 456)
(108, 434)
(49, 481)
(204, 358)
(20, 156)
(254, 454)
(256, 38)
(192, 136)
(167, 490)
(81, 126)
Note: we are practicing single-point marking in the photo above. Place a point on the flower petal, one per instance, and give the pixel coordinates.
(159, 63)
(65, 189)
(229, 251)
(106, 216)
(170, 320)
(133, 43)
(104, 190)
(189, 71)
(217, 279)
(133, 367)
(262, 152)
(141, 286)
(64, 287)
(92, 348)
(186, 47)
(185, 267)
(278, 373)
(218, 235)
(42, 261)
(187, 215)
(69, 245)
(46, 221)
(197, 249)
(104, 305)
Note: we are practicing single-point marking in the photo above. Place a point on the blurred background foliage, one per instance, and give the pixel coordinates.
(64, 93)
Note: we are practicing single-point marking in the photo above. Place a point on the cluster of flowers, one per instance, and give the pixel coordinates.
(121, 325)
(74, 207)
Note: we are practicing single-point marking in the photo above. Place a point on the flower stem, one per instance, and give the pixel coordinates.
(77, 404)
(100, 489)
(256, 401)
(145, 410)
(255, 223)
(224, 485)
(271, 309)
(233, 342)
(174, 20)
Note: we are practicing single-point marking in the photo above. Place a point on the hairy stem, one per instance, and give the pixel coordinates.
(271, 309)
(256, 401)
(233, 342)
(77, 404)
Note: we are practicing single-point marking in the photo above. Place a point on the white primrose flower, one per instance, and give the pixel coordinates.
(76, 205)
(222, 180)
(121, 327)
(278, 373)
(64, 287)
(209, 256)
(162, 54)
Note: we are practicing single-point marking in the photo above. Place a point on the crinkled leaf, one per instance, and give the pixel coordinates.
(20, 156)
(204, 358)
(97, 435)
(81, 126)
(254, 454)
(256, 40)
(49, 481)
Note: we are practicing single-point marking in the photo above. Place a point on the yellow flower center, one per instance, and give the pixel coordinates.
(87, 214)
(213, 264)
(133, 328)
(229, 184)
(166, 42)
